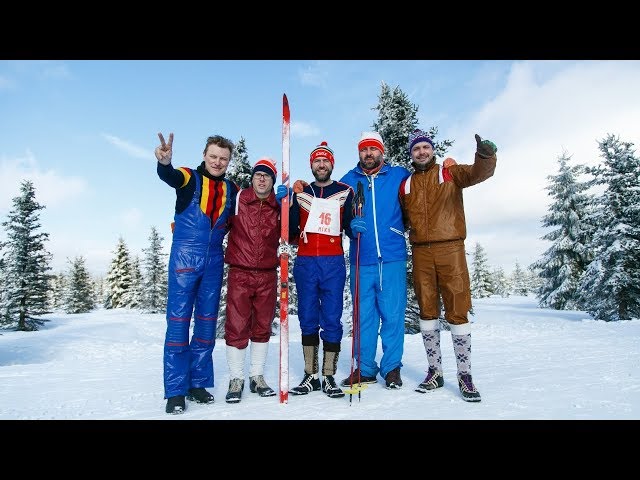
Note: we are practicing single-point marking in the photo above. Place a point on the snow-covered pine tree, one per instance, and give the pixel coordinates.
(397, 118)
(58, 291)
(155, 278)
(519, 282)
(79, 297)
(562, 265)
(3, 285)
(481, 285)
(118, 279)
(99, 289)
(26, 263)
(240, 169)
(135, 295)
(500, 283)
(610, 285)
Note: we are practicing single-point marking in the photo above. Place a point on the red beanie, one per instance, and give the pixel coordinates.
(266, 165)
(322, 150)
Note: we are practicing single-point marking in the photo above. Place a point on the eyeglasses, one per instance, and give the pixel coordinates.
(262, 176)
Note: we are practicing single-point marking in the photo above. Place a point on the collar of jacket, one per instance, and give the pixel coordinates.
(203, 171)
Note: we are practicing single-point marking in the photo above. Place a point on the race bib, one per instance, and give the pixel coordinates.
(324, 217)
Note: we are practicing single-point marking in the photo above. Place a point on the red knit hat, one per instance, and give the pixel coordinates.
(371, 139)
(266, 165)
(322, 150)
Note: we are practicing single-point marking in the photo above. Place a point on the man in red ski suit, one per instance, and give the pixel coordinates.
(204, 201)
(252, 255)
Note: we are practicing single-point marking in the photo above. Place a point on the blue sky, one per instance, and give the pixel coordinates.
(84, 132)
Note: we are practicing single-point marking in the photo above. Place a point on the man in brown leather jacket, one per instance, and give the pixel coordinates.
(433, 209)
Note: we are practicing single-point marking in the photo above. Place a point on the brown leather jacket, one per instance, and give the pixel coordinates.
(432, 204)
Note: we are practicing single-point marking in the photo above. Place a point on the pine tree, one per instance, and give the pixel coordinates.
(564, 262)
(58, 291)
(79, 297)
(118, 277)
(610, 285)
(25, 264)
(500, 283)
(155, 279)
(481, 285)
(136, 293)
(240, 169)
(397, 118)
(519, 283)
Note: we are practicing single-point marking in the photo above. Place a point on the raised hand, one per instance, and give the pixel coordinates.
(164, 151)
(485, 148)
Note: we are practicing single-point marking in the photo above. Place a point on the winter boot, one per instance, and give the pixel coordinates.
(329, 366)
(393, 380)
(259, 386)
(199, 395)
(234, 395)
(433, 380)
(310, 381)
(461, 338)
(256, 370)
(356, 378)
(467, 388)
(175, 405)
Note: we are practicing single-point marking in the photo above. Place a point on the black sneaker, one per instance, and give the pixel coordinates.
(393, 379)
(175, 405)
(308, 384)
(259, 386)
(467, 388)
(330, 388)
(234, 395)
(433, 380)
(199, 395)
(355, 378)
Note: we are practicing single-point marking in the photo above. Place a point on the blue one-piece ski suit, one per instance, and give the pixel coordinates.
(203, 205)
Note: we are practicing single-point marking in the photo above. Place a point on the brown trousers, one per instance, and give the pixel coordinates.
(440, 268)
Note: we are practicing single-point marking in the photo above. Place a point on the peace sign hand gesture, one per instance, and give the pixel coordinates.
(164, 151)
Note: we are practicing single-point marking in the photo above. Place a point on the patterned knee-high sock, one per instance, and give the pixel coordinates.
(461, 338)
(431, 339)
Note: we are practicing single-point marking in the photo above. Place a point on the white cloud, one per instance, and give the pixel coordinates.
(51, 188)
(541, 113)
(127, 147)
(302, 129)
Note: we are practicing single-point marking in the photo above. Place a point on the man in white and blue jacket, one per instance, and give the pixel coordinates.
(381, 255)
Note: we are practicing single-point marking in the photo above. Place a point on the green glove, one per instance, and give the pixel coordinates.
(485, 148)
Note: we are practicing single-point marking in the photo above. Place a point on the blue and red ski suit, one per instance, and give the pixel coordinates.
(203, 206)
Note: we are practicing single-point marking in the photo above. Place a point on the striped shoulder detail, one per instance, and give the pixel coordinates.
(186, 173)
(237, 201)
(405, 186)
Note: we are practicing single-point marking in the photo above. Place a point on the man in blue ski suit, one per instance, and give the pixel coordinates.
(382, 260)
(204, 201)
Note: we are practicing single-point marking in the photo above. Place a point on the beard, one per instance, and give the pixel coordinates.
(322, 176)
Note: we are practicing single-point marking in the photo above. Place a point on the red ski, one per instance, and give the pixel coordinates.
(284, 251)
